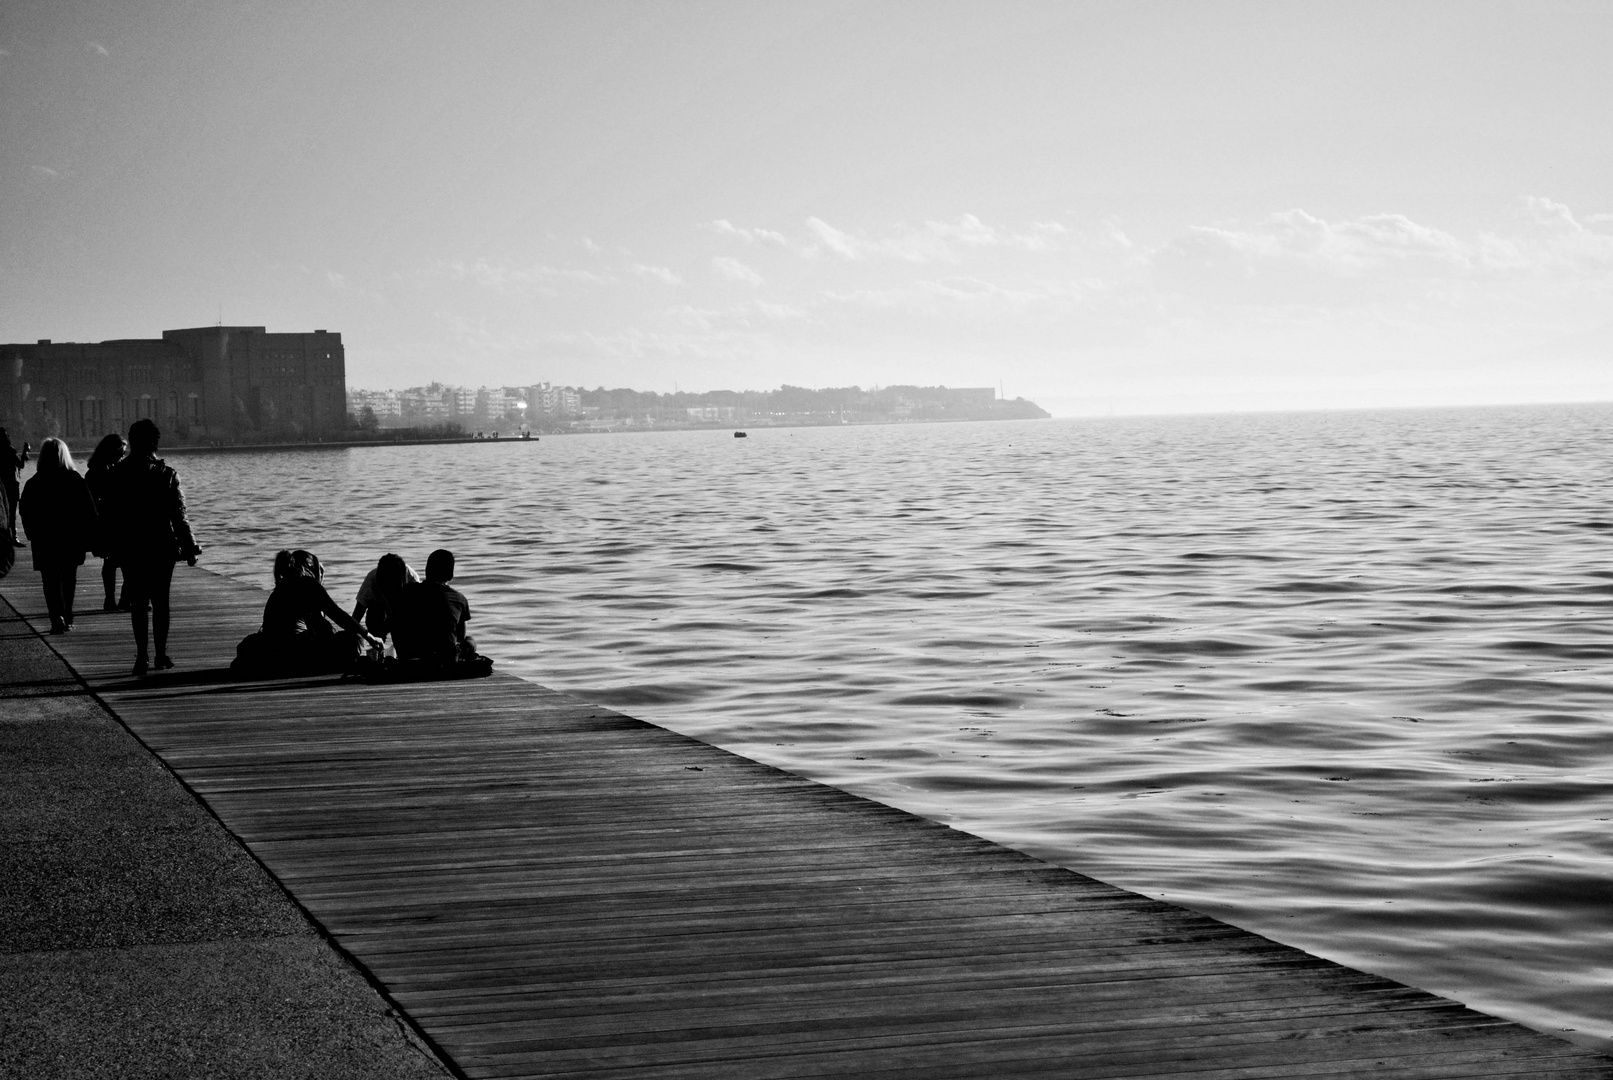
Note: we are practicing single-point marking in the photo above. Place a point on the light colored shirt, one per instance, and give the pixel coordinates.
(366, 591)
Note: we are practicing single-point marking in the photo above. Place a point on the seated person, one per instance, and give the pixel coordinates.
(297, 636)
(432, 616)
(373, 605)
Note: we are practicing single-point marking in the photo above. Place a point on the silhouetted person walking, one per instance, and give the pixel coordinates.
(58, 512)
(150, 534)
(98, 475)
(11, 463)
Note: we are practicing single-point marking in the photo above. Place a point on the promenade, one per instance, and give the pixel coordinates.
(547, 888)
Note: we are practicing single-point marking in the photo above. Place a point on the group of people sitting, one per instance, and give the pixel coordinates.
(306, 632)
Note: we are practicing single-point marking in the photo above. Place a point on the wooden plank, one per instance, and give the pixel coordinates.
(554, 889)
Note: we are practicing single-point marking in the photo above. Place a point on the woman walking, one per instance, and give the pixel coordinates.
(149, 534)
(99, 476)
(58, 513)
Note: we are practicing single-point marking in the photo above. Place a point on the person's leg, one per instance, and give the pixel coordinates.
(136, 586)
(109, 582)
(162, 576)
(69, 592)
(51, 581)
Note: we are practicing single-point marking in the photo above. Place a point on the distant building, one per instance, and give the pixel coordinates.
(385, 404)
(208, 383)
(553, 401)
(461, 402)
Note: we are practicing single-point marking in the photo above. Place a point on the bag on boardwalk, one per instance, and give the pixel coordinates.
(393, 670)
(260, 656)
(251, 656)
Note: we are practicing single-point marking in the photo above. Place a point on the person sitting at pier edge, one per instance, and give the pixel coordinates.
(377, 596)
(432, 617)
(108, 453)
(149, 534)
(58, 512)
(297, 637)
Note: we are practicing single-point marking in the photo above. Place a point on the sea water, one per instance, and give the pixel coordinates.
(1344, 679)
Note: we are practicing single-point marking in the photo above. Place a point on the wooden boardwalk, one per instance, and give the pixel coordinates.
(553, 889)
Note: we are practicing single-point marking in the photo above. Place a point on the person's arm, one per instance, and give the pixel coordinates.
(188, 548)
(335, 614)
(365, 597)
(89, 518)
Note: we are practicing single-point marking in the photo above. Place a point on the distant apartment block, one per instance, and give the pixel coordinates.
(219, 383)
(553, 401)
(385, 404)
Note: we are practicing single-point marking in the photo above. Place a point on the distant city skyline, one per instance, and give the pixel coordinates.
(1142, 207)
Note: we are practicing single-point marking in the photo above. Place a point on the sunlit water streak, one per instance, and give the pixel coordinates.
(1343, 679)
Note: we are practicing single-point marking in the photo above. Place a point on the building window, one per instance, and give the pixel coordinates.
(91, 416)
(119, 409)
(195, 409)
(145, 408)
(173, 406)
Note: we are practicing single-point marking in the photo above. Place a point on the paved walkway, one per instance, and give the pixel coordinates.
(552, 889)
(137, 937)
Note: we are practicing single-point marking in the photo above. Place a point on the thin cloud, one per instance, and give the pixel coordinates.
(97, 48)
(750, 236)
(734, 270)
(44, 170)
(934, 241)
(659, 273)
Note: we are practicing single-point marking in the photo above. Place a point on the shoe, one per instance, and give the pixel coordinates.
(141, 667)
(68, 626)
(58, 628)
(110, 605)
(162, 663)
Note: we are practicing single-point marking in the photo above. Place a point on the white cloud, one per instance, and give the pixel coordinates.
(44, 170)
(734, 270)
(97, 48)
(749, 236)
(934, 241)
(659, 273)
(779, 312)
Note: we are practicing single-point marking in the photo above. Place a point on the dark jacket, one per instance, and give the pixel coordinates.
(300, 605)
(430, 623)
(148, 513)
(102, 481)
(58, 513)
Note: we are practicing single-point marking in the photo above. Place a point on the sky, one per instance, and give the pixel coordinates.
(1104, 207)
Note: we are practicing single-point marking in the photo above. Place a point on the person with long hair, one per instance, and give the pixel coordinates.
(297, 635)
(108, 452)
(150, 534)
(58, 513)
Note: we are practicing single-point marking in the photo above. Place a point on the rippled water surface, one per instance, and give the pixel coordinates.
(1343, 679)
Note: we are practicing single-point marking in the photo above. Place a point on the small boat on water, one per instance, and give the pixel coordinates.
(740, 435)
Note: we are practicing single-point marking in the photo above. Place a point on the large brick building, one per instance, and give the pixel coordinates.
(211, 383)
